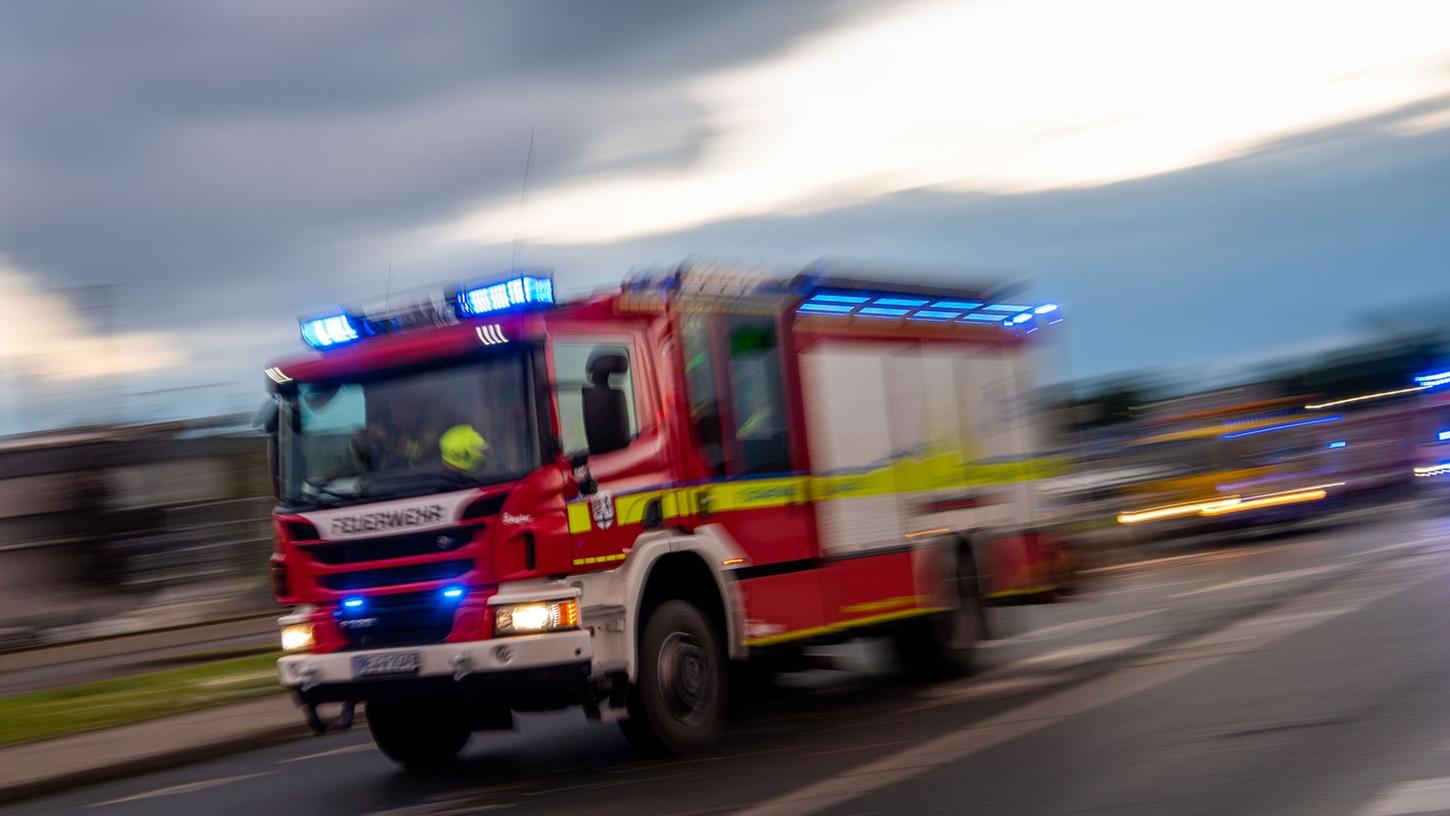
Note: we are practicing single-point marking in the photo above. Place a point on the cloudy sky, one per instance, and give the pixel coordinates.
(1203, 184)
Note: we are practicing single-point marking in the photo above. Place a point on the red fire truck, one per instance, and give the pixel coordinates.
(490, 502)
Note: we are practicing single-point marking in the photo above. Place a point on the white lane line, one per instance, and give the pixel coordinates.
(1045, 712)
(176, 790)
(992, 688)
(1259, 580)
(1400, 546)
(1420, 796)
(1080, 653)
(347, 749)
(1048, 632)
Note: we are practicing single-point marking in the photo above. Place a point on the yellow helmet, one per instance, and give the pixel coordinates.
(463, 447)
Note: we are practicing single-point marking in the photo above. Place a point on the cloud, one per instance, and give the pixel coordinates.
(1003, 96)
(44, 335)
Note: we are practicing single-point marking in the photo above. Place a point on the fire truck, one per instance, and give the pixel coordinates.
(494, 502)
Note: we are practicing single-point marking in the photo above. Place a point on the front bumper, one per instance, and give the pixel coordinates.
(319, 677)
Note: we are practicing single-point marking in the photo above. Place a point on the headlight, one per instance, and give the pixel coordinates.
(297, 638)
(545, 616)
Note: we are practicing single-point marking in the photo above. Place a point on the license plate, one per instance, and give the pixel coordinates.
(388, 663)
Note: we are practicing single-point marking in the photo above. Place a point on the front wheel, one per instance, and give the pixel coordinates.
(678, 701)
(420, 735)
(945, 645)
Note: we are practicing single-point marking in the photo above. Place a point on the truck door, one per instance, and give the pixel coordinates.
(740, 413)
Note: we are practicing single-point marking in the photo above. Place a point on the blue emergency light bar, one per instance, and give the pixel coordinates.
(1433, 380)
(344, 327)
(331, 331)
(511, 295)
(845, 303)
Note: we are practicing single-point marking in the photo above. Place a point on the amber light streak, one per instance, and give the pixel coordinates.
(1266, 501)
(1230, 504)
(1173, 510)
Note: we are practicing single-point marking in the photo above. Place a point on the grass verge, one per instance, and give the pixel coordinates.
(107, 703)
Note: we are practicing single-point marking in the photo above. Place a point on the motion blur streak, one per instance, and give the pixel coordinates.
(1267, 501)
(1361, 398)
(1174, 511)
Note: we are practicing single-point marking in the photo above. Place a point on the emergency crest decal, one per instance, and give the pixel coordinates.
(601, 508)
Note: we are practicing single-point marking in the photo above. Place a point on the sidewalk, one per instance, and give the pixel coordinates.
(38, 768)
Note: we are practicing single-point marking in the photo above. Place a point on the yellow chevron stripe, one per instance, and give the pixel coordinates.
(817, 631)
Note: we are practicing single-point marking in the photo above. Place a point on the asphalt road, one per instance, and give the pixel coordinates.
(1300, 675)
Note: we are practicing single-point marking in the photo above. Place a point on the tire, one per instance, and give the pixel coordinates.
(679, 698)
(419, 735)
(945, 645)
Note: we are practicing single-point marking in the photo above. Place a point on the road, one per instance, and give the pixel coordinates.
(1303, 675)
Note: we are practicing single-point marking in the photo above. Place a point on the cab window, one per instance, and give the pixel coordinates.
(571, 360)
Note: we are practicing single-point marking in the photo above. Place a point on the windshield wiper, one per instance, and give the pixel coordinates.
(412, 483)
(325, 496)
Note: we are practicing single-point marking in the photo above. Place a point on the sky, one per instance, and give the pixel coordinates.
(1204, 186)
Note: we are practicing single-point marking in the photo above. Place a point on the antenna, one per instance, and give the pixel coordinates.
(523, 190)
(388, 293)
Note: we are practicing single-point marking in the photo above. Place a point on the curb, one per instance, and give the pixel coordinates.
(171, 758)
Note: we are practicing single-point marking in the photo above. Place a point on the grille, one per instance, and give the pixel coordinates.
(366, 579)
(410, 619)
(430, 542)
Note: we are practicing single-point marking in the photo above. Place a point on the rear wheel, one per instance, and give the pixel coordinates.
(679, 699)
(945, 645)
(420, 735)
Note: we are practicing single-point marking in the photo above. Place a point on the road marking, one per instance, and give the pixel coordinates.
(1258, 580)
(992, 688)
(1048, 632)
(347, 749)
(1420, 796)
(176, 790)
(1053, 709)
(1386, 548)
(1080, 653)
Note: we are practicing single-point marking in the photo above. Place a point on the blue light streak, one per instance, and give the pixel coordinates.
(1282, 427)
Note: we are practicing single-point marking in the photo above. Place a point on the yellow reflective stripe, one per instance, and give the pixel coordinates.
(816, 631)
(756, 493)
(1010, 593)
(579, 517)
(940, 472)
(885, 603)
(600, 559)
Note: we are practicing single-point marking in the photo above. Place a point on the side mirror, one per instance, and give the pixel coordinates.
(266, 421)
(606, 408)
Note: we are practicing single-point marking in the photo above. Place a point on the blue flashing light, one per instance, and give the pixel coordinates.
(1005, 307)
(841, 298)
(1339, 443)
(825, 308)
(1046, 308)
(352, 603)
(1444, 436)
(985, 318)
(876, 311)
(908, 302)
(1282, 426)
(330, 331)
(453, 593)
(1433, 380)
(931, 314)
(508, 295)
(1022, 318)
(955, 304)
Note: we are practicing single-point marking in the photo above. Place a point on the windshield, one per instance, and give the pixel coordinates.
(373, 438)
